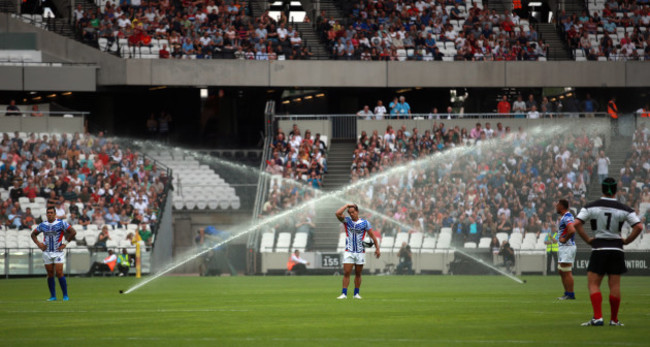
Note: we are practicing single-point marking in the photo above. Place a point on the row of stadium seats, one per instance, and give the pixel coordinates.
(196, 185)
(284, 242)
(425, 243)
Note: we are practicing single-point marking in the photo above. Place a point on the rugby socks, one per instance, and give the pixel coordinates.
(52, 285)
(614, 303)
(596, 303)
(572, 295)
(64, 285)
(356, 291)
(345, 291)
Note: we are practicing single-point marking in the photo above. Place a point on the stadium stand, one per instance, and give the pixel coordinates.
(300, 159)
(481, 194)
(90, 180)
(610, 30)
(186, 30)
(430, 30)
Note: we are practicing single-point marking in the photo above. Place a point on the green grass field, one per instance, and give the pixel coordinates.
(303, 311)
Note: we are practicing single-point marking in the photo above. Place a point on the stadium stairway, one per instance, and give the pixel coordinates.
(258, 7)
(496, 5)
(326, 235)
(557, 47)
(87, 6)
(339, 161)
(329, 6)
(311, 40)
(617, 152)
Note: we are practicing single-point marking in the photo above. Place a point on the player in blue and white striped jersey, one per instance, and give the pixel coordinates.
(355, 230)
(52, 246)
(566, 248)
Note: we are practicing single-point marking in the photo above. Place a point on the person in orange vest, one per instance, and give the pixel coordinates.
(108, 264)
(612, 110)
(644, 112)
(297, 264)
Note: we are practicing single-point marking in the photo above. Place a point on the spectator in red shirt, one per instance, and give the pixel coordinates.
(163, 53)
(503, 106)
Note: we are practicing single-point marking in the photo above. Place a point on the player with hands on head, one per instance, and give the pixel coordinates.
(354, 257)
(606, 217)
(53, 247)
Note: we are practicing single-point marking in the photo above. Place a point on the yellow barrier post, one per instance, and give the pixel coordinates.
(137, 260)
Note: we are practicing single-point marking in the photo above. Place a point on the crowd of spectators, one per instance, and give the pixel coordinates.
(203, 29)
(635, 175)
(619, 31)
(87, 179)
(429, 30)
(300, 158)
(480, 192)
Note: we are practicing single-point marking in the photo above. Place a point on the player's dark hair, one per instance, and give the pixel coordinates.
(564, 203)
(609, 186)
(355, 207)
(50, 208)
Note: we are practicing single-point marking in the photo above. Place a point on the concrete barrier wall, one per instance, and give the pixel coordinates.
(42, 124)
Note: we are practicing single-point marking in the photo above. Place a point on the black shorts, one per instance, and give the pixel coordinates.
(609, 262)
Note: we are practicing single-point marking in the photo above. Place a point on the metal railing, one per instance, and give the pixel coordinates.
(443, 116)
(44, 114)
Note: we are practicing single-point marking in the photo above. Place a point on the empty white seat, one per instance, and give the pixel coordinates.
(266, 245)
(469, 245)
(416, 241)
(484, 242)
(428, 244)
(284, 241)
(299, 242)
(444, 241)
(387, 242)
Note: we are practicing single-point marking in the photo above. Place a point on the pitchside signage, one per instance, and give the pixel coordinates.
(330, 260)
(638, 263)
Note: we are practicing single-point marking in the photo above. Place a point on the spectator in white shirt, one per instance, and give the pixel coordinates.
(380, 110)
(533, 113)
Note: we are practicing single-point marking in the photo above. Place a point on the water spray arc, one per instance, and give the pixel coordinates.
(437, 158)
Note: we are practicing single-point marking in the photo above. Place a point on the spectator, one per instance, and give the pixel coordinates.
(533, 113)
(36, 112)
(145, 234)
(503, 106)
(365, 113)
(380, 110)
(519, 108)
(13, 110)
(603, 166)
(102, 238)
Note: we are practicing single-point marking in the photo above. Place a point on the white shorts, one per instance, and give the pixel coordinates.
(354, 258)
(566, 254)
(53, 258)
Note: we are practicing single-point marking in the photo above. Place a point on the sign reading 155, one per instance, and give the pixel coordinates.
(331, 260)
